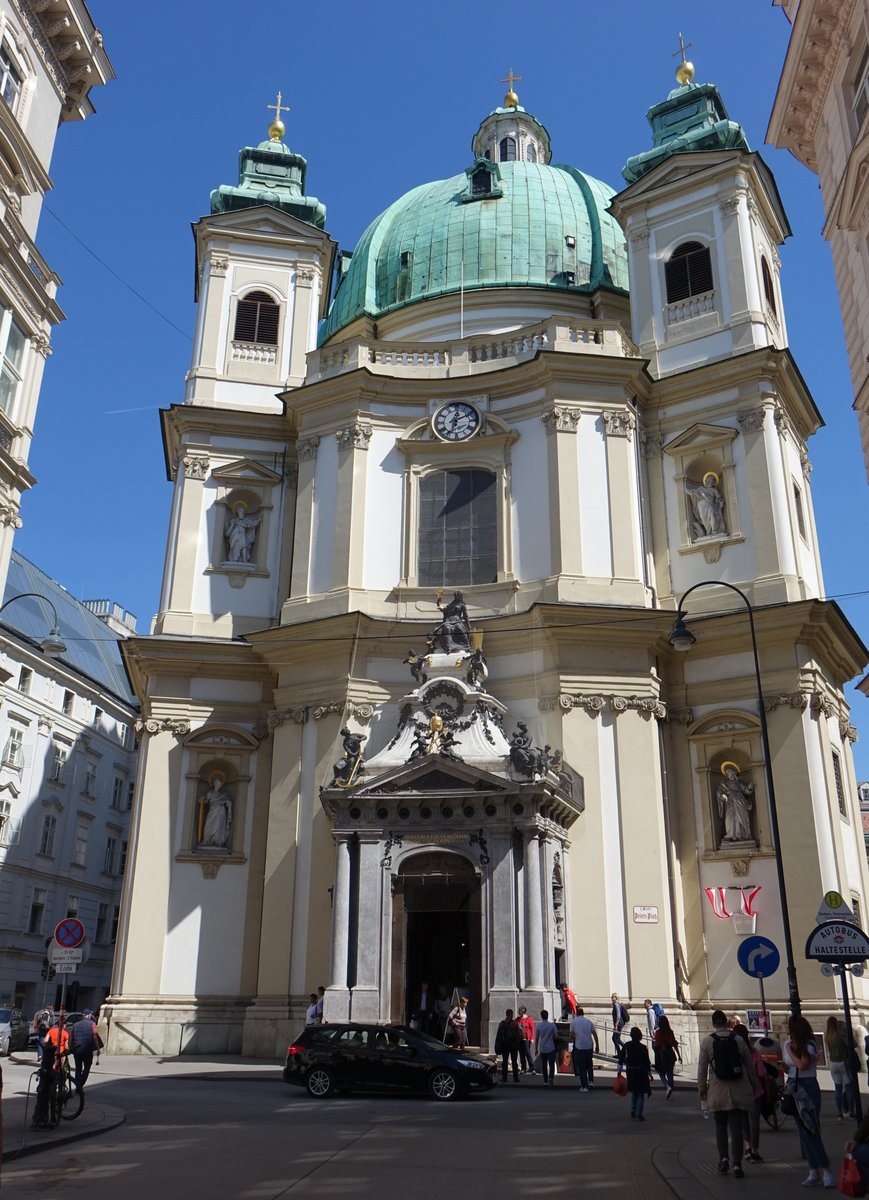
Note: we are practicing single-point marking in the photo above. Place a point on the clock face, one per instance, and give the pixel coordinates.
(456, 422)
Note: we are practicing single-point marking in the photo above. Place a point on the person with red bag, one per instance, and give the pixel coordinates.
(857, 1152)
(634, 1057)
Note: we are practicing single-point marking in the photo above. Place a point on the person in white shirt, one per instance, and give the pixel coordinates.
(312, 1016)
(585, 1045)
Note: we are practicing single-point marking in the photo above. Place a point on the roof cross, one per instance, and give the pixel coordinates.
(286, 108)
(683, 46)
(511, 79)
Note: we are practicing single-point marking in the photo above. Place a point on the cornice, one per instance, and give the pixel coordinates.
(71, 50)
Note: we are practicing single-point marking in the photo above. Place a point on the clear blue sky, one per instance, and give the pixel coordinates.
(384, 97)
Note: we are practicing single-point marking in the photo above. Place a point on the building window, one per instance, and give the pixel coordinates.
(131, 788)
(79, 854)
(116, 916)
(118, 792)
(72, 905)
(857, 909)
(13, 753)
(507, 149)
(458, 529)
(688, 272)
(102, 923)
(531, 152)
(256, 319)
(37, 911)
(5, 821)
(58, 766)
(860, 88)
(90, 779)
(68, 702)
(122, 862)
(768, 289)
(46, 838)
(25, 680)
(10, 80)
(840, 788)
(10, 371)
(481, 182)
(801, 516)
(109, 856)
(98, 718)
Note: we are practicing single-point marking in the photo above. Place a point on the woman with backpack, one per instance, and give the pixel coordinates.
(801, 1059)
(726, 1082)
(666, 1052)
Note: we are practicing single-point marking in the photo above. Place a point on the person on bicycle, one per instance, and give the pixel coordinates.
(55, 1046)
(84, 1042)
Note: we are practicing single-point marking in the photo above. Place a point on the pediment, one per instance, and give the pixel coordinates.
(222, 737)
(850, 205)
(245, 470)
(437, 776)
(685, 164)
(263, 219)
(700, 437)
(725, 720)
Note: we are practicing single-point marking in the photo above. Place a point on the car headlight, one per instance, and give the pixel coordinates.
(472, 1062)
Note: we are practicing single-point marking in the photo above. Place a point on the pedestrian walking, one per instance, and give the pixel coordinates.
(526, 1028)
(725, 1081)
(568, 1002)
(621, 1017)
(546, 1045)
(508, 1042)
(654, 1012)
(839, 1058)
(634, 1060)
(667, 1051)
(311, 1012)
(801, 1059)
(457, 1023)
(751, 1118)
(585, 1043)
(84, 1043)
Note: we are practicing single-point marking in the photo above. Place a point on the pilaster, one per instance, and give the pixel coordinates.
(565, 526)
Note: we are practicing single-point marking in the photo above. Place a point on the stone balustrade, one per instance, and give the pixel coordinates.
(254, 352)
(693, 306)
(488, 352)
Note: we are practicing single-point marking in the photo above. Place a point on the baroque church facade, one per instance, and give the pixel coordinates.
(409, 708)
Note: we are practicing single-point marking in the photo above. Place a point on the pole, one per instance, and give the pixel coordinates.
(793, 990)
(851, 1067)
(762, 999)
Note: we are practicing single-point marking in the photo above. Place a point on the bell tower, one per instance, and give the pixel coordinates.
(703, 221)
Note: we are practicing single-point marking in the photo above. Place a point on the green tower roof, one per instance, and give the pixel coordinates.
(270, 173)
(443, 236)
(692, 118)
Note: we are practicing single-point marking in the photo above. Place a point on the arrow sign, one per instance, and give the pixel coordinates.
(758, 957)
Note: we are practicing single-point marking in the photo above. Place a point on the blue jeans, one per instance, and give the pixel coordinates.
(638, 1103)
(547, 1063)
(810, 1143)
(583, 1066)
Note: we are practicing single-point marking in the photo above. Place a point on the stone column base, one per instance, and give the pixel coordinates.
(336, 1005)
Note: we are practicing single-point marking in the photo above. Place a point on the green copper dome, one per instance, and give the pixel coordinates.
(534, 225)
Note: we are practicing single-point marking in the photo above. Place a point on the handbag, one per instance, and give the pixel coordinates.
(850, 1181)
(788, 1102)
(620, 1087)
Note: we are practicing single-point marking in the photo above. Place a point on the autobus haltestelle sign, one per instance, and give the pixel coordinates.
(837, 941)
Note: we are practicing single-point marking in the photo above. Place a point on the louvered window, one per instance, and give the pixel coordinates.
(689, 272)
(531, 152)
(860, 88)
(508, 149)
(458, 526)
(256, 319)
(768, 289)
(481, 182)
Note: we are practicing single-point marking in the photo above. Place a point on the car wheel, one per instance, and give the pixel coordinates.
(320, 1083)
(443, 1085)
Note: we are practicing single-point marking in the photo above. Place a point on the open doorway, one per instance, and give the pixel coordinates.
(438, 929)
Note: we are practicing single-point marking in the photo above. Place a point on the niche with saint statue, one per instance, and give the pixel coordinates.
(241, 529)
(215, 810)
(705, 503)
(733, 807)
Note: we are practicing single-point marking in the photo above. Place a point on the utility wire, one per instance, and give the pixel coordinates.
(115, 274)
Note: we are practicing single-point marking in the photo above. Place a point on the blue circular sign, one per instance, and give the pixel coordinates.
(758, 957)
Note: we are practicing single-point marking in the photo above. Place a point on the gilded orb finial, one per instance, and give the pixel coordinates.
(685, 69)
(511, 100)
(277, 128)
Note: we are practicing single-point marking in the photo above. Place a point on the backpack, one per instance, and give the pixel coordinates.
(726, 1062)
(658, 1010)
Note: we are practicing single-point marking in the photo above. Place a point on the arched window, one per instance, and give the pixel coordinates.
(508, 149)
(256, 319)
(768, 289)
(689, 271)
(531, 152)
(458, 529)
(481, 182)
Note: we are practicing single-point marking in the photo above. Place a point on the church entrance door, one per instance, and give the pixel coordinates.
(437, 925)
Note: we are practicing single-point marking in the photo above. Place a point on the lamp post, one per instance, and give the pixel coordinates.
(682, 639)
(53, 645)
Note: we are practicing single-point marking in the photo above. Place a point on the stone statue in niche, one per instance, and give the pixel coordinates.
(215, 814)
(240, 533)
(349, 765)
(707, 506)
(454, 631)
(735, 801)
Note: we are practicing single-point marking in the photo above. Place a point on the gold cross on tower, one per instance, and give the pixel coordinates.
(277, 127)
(685, 69)
(511, 100)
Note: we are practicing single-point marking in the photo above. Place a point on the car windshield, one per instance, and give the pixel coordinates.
(5, 1014)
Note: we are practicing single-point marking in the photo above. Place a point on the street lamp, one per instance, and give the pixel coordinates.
(53, 645)
(682, 639)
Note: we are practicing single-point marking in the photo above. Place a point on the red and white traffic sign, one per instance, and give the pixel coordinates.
(69, 933)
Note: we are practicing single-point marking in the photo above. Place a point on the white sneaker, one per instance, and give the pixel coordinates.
(811, 1181)
(829, 1179)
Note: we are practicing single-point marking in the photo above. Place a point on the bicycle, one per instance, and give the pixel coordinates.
(56, 1097)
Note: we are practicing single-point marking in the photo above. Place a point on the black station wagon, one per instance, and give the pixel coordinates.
(330, 1058)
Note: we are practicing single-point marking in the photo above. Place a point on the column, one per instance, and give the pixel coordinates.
(337, 1003)
(365, 1001)
(534, 931)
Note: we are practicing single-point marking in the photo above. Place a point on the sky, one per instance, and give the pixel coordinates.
(383, 97)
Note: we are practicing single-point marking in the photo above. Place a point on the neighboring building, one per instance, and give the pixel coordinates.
(66, 788)
(820, 116)
(506, 400)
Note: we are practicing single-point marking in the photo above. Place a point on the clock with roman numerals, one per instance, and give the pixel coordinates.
(456, 422)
